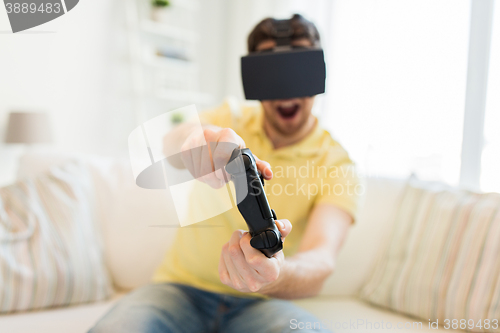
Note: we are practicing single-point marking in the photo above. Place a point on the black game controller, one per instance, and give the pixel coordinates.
(252, 202)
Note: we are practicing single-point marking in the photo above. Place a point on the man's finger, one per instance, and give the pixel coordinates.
(284, 226)
(264, 168)
(205, 162)
(221, 152)
(223, 272)
(253, 257)
(235, 277)
(247, 273)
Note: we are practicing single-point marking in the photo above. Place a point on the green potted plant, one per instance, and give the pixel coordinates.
(177, 118)
(158, 9)
(160, 3)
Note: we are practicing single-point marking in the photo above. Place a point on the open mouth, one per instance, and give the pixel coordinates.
(288, 111)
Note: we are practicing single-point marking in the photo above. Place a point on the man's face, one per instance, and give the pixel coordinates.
(287, 116)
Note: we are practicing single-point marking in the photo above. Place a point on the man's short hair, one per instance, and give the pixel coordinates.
(301, 28)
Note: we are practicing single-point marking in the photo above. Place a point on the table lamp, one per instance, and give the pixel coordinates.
(25, 130)
(28, 128)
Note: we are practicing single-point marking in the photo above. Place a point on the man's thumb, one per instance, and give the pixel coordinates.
(284, 226)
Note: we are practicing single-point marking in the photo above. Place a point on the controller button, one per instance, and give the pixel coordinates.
(274, 214)
(272, 239)
(259, 241)
(266, 241)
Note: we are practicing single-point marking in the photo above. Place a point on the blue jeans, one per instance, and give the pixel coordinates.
(168, 307)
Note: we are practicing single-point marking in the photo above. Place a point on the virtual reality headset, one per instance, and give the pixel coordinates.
(285, 71)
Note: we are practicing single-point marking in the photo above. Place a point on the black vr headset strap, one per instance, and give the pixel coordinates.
(283, 32)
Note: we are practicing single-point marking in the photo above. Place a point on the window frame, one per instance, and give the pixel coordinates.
(480, 40)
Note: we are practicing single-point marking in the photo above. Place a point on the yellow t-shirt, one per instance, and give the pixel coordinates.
(312, 171)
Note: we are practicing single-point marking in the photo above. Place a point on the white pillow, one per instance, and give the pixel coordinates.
(137, 223)
(441, 261)
(50, 248)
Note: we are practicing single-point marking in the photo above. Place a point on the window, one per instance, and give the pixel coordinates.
(396, 85)
(490, 166)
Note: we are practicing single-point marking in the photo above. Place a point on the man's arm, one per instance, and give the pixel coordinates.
(302, 275)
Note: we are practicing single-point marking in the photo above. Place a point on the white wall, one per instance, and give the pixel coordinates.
(396, 74)
(73, 68)
(76, 67)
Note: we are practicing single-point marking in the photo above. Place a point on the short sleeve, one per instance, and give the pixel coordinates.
(341, 188)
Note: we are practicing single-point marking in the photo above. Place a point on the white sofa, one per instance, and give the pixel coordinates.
(135, 243)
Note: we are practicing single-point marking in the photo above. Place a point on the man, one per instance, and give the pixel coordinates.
(212, 279)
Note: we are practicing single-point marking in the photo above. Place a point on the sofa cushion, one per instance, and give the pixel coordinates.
(50, 248)
(350, 315)
(441, 260)
(358, 255)
(138, 224)
(74, 319)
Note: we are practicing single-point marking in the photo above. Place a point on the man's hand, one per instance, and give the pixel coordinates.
(204, 152)
(247, 269)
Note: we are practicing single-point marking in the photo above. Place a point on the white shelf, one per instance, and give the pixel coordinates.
(161, 81)
(184, 67)
(170, 63)
(186, 4)
(184, 96)
(168, 31)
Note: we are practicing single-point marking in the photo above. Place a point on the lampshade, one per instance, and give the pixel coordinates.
(28, 127)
